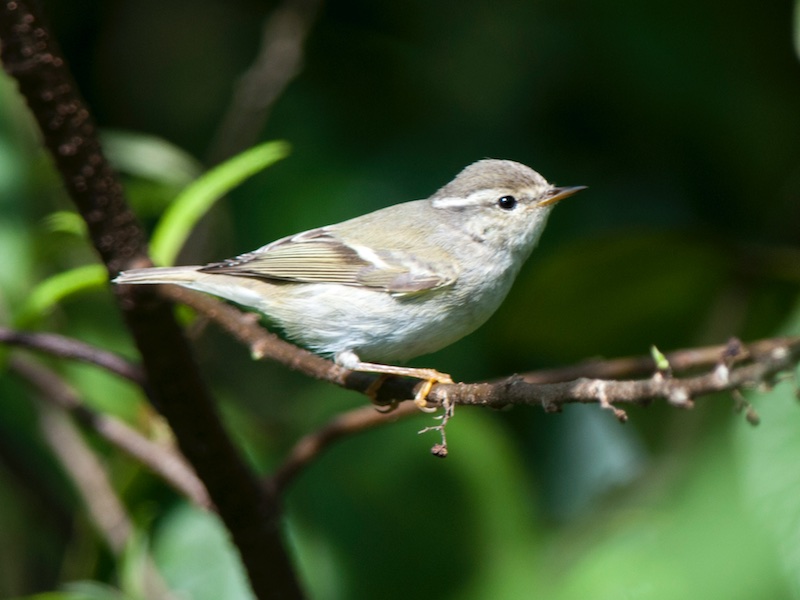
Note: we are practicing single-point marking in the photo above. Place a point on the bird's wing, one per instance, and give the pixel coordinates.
(319, 256)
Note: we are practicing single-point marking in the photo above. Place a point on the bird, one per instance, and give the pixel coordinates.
(403, 281)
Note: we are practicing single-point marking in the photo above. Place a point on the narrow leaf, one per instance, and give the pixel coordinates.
(195, 201)
(54, 289)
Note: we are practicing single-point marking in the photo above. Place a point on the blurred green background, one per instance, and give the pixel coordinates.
(683, 118)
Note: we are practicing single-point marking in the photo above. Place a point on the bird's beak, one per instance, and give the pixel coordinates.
(557, 194)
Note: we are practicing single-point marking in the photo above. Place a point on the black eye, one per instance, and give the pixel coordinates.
(507, 202)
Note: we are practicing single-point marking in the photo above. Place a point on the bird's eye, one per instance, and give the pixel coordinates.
(507, 202)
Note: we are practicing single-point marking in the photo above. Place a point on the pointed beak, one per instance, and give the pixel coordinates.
(557, 194)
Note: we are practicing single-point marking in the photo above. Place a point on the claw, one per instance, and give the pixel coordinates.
(421, 397)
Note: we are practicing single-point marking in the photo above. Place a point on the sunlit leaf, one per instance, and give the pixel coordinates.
(65, 221)
(183, 214)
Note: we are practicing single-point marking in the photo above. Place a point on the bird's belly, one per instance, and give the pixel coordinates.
(375, 325)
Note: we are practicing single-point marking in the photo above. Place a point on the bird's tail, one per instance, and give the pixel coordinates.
(176, 275)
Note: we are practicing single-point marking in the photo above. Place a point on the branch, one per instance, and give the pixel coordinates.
(161, 460)
(65, 347)
(104, 507)
(278, 62)
(729, 367)
(733, 366)
(32, 57)
(758, 363)
(309, 447)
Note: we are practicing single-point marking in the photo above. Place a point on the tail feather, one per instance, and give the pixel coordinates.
(176, 275)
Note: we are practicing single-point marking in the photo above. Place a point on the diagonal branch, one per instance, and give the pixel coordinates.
(349, 423)
(278, 62)
(65, 347)
(161, 460)
(104, 507)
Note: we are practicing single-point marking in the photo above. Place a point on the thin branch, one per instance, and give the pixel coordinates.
(759, 363)
(31, 55)
(753, 363)
(725, 368)
(346, 424)
(85, 471)
(161, 460)
(278, 62)
(105, 509)
(636, 366)
(65, 347)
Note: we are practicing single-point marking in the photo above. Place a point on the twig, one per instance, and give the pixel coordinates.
(278, 62)
(768, 359)
(91, 482)
(637, 366)
(161, 460)
(104, 507)
(311, 446)
(65, 347)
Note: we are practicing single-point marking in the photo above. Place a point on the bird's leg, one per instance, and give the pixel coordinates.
(429, 376)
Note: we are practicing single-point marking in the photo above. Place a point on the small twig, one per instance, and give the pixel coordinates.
(440, 450)
(105, 509)
(91, 481)
(161, 460)
(640, 366)
(65, 347)
(278, 62)
(310, 446)
(600, 392)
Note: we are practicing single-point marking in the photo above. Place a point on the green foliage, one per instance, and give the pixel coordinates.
(194, 554)
(681, 117)
(50, 292)
(195, 201)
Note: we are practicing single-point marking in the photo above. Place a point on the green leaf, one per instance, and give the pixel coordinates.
(662, 364)
(54, 289)
(180, 218)
(65, 221)
(150, 157)
(194, 554)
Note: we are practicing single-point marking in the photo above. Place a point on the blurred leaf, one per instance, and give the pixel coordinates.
(65, 221)
(54, 289)
(194, 554)
(83, 590)
(695, 538)
(180, 218)
(150, 157)
(134, 567)
(770, 478)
